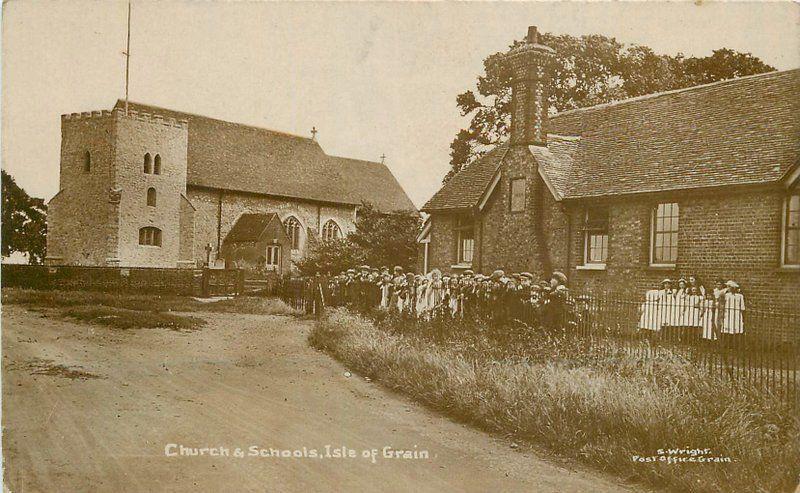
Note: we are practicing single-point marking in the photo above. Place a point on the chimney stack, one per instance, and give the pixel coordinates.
(530, 64)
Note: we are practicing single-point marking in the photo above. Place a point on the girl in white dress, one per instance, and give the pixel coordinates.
(734, 310)
(422, 288)
(693, 311)
(650, 318)
(707, 318)
(666, 304)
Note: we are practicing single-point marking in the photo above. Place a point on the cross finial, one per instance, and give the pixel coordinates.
(313, 133)
(383, 158)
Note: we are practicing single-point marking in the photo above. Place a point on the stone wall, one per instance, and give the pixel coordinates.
(79, 215)
(212, 204)
(137, 136)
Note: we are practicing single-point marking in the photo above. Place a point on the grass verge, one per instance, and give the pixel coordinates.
(121, 318)
(154, 303)
(602, 409)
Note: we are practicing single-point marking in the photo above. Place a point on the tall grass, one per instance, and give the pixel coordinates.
(601, 407)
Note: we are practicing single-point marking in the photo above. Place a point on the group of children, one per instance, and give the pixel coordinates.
(690, 308)
(499, 296)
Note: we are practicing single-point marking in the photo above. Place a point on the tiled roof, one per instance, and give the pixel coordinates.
(249, 227)
(464, 189)
(239, 157)
(738, 131)
(556, 162)
(733, 132)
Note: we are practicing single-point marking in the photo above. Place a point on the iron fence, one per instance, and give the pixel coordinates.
(760, 348)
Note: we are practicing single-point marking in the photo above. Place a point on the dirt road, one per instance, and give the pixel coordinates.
(88, 408)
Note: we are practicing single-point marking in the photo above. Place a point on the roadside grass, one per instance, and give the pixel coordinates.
(122, 318)
(600, 407)
(255, 305)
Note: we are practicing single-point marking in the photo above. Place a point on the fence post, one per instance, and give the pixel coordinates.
(205, 288)
(239, 281)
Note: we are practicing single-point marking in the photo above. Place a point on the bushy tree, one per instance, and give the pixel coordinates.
(24, 226)
(587, 70)
(380, 239)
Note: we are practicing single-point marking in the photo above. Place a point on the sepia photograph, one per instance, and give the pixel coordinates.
(407, 246)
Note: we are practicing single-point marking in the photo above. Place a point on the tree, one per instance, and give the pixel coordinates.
(588, 70)
(380, 239)
(24, 227)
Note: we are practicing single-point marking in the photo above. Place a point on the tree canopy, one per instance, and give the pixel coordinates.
(380, 239)
(24, 226)
(587, 70)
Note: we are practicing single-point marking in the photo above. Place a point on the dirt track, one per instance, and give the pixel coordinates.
(241, 381)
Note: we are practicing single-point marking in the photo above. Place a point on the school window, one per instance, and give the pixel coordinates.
(595, 238)
(465, 227)
(331, 230)
(273, 256)
(151, 197)
(664, 238)
(148, 163)
(157, 165)
(150, 236)
(518, 195)
(293, 230)
(791, 230)
(87, 162)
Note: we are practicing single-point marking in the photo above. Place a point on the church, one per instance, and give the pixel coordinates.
(143, 186)
(702, 181)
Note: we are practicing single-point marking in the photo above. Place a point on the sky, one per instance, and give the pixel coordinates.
(373, 78)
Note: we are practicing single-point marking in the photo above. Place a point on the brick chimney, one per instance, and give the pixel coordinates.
(530, 64)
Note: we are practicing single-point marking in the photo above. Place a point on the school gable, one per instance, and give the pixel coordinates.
(700, 180)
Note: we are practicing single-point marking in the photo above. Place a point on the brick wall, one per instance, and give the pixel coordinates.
(311, 216)
(733, 235)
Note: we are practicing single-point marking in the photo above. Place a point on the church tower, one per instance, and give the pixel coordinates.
(121, 199)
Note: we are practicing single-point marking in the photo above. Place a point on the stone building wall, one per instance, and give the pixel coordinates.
(312, 216)
(79, 215)
(136, 136)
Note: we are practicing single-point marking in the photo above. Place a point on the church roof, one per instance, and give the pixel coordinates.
(732, 132)
(234, 156)
(250, 227)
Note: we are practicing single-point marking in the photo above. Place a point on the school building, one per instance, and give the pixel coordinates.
(699, 181)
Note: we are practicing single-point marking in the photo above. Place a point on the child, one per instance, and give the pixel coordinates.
(650, 318)
(734, 310)
(707, 318)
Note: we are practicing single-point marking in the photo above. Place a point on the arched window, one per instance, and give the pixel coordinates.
(294, 230)
(148, 163)
(331, 230)
(87, 162)
(150, 236)
(151, 196)
(157, 165)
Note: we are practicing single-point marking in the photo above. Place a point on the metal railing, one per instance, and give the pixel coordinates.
(759, 348)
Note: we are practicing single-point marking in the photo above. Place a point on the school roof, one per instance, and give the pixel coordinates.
(238, 157)
(250, 227)
(734, 132)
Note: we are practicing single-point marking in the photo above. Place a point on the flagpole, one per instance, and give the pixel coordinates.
(128, 57)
